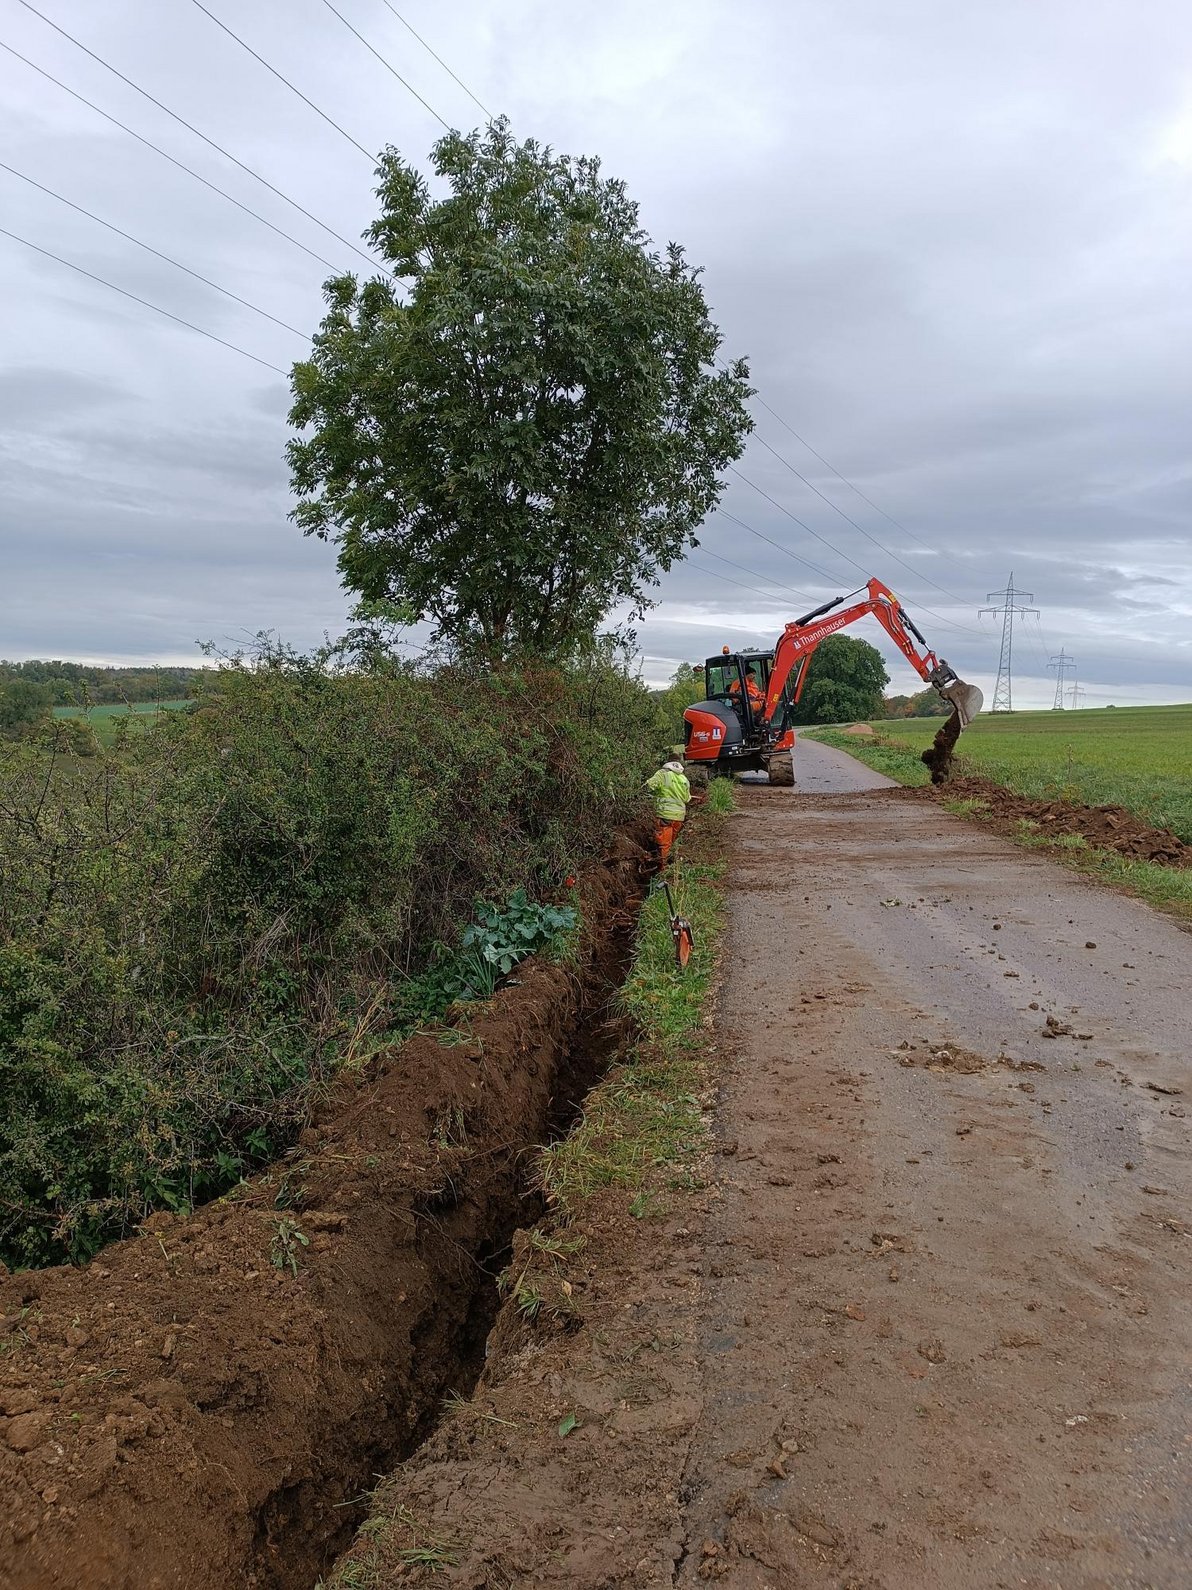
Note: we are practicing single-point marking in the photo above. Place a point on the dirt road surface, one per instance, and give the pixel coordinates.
(945, 1330)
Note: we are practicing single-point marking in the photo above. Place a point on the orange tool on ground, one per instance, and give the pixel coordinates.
(681, 933)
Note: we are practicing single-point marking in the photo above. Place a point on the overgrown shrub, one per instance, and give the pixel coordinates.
(206, 920)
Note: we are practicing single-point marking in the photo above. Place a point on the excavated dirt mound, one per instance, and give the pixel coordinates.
(1107, 827)
(202, 1405)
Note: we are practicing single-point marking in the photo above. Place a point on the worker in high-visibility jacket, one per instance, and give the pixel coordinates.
(671, 793)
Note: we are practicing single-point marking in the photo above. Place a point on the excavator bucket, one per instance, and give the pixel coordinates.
(966, 701)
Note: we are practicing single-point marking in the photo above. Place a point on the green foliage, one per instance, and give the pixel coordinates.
(685, 689)
(502, 936)
(721, 796)
(201, 923)
(106, 724)
(466, 423)
(288, 1241)
(24, 705)
(845, 680)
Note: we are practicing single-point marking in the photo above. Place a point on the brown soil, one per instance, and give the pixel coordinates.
(192, 1410)
(1107, 827)
(938, 755)
(922, 1326)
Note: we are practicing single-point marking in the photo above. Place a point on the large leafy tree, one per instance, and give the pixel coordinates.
(23, 705)
(845, 680)
(523, 423)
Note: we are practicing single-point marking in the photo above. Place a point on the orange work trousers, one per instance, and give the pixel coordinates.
(666, 834)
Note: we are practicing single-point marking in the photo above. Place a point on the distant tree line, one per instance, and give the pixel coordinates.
(29, 691)
(925, 704)
(72, 684)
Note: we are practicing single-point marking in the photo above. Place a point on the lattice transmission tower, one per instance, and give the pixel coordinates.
(1065, 667)
(1009, 602)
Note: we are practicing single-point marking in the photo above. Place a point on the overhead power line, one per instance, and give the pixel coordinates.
(832, 579)
(330, 120)
(440, 60)
(210, 142)
(802, 523)
(848, 519)
(852, 486)
(149, 249)
(157, 149)
(753, 573)
(386, 64)
(157, 309)
(771, 596)
(840, 553)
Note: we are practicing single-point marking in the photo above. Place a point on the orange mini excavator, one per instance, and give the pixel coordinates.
(745, 722)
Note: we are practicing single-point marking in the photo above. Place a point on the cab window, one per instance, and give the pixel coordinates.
(721, 677)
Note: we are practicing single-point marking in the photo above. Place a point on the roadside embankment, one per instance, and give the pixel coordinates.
(207, 1402)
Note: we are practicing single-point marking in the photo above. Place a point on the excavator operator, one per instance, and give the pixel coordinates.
(753, 691)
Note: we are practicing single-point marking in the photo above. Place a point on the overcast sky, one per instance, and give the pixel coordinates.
(954, 240)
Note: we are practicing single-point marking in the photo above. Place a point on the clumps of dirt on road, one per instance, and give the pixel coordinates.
(946, 1056)
(954, 1058)
(1105, 827)
(206, 1402)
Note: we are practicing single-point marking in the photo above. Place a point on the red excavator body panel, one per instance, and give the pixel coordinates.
(705, 735)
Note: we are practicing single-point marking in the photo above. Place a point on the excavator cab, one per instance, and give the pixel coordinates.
(728, 732)
(740, 679)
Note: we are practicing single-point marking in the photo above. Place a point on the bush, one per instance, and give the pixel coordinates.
(203, 922)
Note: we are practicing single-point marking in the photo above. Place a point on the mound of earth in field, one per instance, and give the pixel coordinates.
(1106, 827)
(206, 1403)
(857, 728)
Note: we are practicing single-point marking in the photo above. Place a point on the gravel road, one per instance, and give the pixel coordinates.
(946, 1332)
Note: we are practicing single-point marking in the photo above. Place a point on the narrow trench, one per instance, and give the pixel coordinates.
(289, 1555)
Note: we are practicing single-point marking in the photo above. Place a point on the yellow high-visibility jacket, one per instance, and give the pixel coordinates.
(671, 792)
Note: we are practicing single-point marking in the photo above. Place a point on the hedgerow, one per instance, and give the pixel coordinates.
(201, 924)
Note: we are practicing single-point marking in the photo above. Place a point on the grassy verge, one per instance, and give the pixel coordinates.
(891, 757)
(1136, 757)
(644, 1125)
(1168, 888)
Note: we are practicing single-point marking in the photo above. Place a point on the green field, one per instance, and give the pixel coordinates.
(1137, 757)
(105, 720)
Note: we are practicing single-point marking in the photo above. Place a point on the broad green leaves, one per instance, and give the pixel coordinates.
(526, 425)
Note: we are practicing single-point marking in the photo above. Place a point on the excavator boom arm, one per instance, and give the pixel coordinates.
(799, 640)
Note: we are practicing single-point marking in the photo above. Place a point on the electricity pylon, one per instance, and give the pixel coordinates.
(1008, 602)
(1063, 665)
